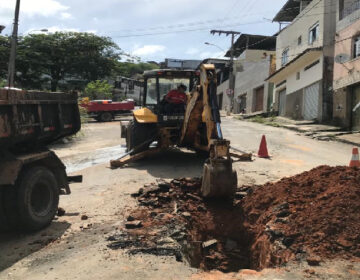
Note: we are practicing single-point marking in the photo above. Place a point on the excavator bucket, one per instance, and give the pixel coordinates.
(219, 179)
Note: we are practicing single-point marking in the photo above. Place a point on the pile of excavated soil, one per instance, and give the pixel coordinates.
(312, 216)
(315, 214)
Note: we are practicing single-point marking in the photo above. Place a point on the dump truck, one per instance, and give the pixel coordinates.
(107, 110)
(197, 127)
(31, 176)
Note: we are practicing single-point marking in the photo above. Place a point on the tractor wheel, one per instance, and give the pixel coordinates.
(32, 204)
(139, 136)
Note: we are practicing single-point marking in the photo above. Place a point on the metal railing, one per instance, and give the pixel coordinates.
(349, 10)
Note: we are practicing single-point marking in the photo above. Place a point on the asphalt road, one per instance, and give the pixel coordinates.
(72, 248)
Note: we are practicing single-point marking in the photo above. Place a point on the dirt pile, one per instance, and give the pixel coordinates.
(310, 216)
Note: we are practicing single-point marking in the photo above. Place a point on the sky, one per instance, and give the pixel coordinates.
(151, 29)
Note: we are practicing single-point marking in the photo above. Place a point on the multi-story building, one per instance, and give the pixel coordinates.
(304, 60)
(347, 65)
(254, 54)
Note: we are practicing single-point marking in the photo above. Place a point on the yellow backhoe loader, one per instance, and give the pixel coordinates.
(197, 127)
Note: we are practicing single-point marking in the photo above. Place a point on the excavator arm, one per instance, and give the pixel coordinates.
(219, 178)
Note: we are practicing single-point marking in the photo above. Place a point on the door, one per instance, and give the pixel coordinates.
(259, 99)
(311, 102)
(282, 102)
(355, 109)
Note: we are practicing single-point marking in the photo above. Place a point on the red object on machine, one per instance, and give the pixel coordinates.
(263, 151)
(108, 106)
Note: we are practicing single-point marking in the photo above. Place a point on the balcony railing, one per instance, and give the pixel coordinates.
(350, 9)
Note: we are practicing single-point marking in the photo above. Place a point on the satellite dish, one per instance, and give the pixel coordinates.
(342, 58)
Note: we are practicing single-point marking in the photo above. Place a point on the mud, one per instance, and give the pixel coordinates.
(312, 216)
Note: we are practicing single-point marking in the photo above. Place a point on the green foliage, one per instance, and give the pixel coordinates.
(2, 83)
(98, 90)
(130, 69)
(62, 60)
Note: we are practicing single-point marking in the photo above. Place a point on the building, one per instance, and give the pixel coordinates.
(304, 60)
(126, 88)
(171, 63)
(254, 54)
(347, 65)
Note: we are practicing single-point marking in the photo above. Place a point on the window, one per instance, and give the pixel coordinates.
(297, 75)
(314, 33)
(151, 96)
(299, 40)
(357, 47)
(285, 57)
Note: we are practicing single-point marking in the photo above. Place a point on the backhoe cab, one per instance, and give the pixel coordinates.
(196, 127)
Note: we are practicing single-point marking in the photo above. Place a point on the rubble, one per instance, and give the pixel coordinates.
(310, 217)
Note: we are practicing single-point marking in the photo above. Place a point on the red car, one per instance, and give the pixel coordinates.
(106, 110)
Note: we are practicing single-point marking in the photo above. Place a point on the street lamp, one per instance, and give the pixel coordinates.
(210, 44)
(38, 30)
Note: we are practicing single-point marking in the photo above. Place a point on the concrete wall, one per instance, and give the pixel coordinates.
(349, 72)
(254, 55)
(342, 107)
(252, 77)
(221, 89)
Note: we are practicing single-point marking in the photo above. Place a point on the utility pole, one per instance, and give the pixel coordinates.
(231, 66)
(11, 72)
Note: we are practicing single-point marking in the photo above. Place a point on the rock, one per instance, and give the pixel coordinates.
(209, 243)
(201, 208)
(313, 260)
(282, 206)
(194, 197)
(153, 214)
(186, 214)
(61, 212)
(310, 271)
(84, 217)
(176, 182)
(288, 241)
(138, 193)
(133, 224)
(240, 195)
(130, 218)
(164, 186)
(283, 213)
(344, 243)
(281, 220)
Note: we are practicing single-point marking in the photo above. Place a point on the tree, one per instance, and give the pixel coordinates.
(98, 90)
(130, 69)
(4, 56)
(61, 56)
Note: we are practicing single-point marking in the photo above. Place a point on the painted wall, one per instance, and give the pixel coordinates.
(288, 37)
(247, 82)
(349, 72)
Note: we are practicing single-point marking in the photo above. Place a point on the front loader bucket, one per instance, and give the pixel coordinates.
(219, 179)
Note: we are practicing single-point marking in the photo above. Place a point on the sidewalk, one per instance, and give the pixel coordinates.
(314, 130)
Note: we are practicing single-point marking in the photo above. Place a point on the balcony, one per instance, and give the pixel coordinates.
(350, 9)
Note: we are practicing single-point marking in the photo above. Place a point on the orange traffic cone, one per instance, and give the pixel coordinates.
(355, 158)
(263, 151)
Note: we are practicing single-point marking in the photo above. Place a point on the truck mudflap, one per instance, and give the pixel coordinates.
(11, 166)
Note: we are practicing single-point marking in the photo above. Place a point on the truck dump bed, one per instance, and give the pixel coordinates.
(29, 118)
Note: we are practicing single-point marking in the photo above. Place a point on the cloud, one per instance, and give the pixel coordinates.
(192, 51)
(148, 50)
(34, 7)
(204, 55)
(66, 15)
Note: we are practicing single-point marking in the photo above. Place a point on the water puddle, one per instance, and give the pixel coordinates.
(84, 160)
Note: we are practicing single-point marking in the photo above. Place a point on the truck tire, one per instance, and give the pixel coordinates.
(33, 202)
(139, 136)
(106, 117)
(4, 225)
